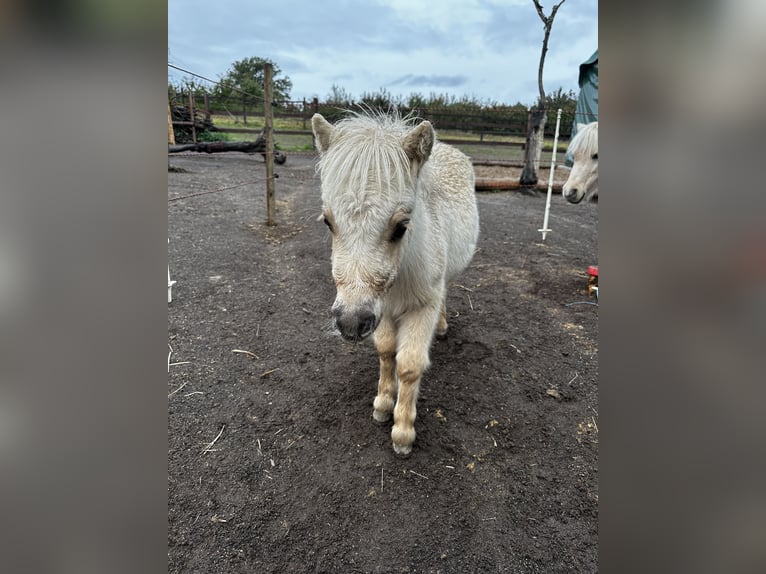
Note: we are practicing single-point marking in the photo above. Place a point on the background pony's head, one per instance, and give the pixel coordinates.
(583, 179)
(368, 165)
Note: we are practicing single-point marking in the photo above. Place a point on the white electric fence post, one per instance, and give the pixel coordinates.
(545, 229)
(170, 283)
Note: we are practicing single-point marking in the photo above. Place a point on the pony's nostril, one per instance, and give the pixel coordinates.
(354, 325)
(366, 323)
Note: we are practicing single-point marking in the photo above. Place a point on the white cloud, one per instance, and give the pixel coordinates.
(494, 44)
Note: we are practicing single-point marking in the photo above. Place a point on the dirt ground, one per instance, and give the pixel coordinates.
(275, 464)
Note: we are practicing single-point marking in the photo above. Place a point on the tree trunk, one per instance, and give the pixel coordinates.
(536, 127)
(534, 147)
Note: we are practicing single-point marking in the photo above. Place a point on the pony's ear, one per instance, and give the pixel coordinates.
(323, 132)
(419, 141)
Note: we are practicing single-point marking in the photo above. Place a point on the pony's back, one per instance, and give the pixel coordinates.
(448, 181)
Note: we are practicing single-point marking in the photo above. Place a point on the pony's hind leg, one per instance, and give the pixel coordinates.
(385, 343)
(416, 329)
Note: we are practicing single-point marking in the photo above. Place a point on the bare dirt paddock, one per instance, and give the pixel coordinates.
(274, 461)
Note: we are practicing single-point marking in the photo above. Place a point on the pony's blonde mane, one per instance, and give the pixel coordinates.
(585, 141)
(366, 159)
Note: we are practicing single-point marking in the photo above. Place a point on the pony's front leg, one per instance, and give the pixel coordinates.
(442, 326)
(416, 329)
(385, 343)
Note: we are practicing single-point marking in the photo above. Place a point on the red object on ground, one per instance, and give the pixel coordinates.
(593, 270)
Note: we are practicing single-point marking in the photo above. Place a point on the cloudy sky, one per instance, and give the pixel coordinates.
(488, 49)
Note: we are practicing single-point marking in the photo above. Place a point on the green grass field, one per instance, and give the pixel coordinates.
(305, 143)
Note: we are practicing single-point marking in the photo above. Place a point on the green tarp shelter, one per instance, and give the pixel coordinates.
(587, 102)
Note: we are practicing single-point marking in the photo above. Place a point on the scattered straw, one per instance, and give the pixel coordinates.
(178, 389)
(381, 479)
(170, 352)
(245, 353)
(418, 474)
(573, 378)
(267, 373)
(208, 447)
(292, 442)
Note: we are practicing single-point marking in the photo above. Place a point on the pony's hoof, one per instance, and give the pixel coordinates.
(381, 416)
(441, 334)
(402, 440)
(382, 407)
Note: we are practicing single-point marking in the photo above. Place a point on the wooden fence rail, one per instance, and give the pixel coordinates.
(484, 124)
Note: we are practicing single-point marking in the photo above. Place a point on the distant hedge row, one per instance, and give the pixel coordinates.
(446, 113)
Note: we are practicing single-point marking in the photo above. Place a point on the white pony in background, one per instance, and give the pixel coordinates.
(583, 179)
(401, 209)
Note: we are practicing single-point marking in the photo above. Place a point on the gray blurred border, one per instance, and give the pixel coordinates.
(83, 240)
(682, 287)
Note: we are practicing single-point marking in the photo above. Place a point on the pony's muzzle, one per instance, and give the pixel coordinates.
(354, 324)
(572, 194)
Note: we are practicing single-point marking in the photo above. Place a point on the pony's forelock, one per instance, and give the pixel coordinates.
(585, 140)
(367, 159)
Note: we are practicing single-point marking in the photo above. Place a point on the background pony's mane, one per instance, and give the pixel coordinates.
(366, 157)
(585, 140)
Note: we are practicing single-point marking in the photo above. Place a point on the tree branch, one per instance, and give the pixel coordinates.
(548, 23)
(540, 12)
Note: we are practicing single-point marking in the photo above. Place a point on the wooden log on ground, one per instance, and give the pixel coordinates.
(217, 147)
(495, 184)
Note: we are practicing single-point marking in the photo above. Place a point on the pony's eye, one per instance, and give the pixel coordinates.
(399, 231)
(594, 156)
(327, 223)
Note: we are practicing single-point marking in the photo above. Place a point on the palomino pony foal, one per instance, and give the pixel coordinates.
(583, 179)
(402, 213)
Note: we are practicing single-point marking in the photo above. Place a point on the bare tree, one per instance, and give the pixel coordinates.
(536, 127)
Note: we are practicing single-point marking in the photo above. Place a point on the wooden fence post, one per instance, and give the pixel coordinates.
(244, 110)
(191, 115)
(268, 136)
(171, 133)
(304, 113)
(207, 106)
(315, 106)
